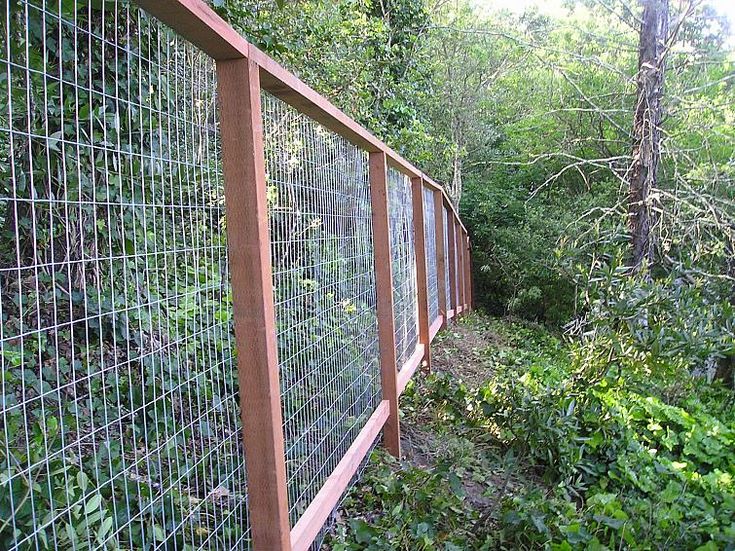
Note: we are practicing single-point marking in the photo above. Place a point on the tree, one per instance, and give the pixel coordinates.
(472, 55)
(643, 172)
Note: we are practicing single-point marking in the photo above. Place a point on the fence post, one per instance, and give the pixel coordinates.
(440, 264)
(458, 273)
(384, 291)
(252, 296)
(466, 245)
(417, 197)
(452, 299)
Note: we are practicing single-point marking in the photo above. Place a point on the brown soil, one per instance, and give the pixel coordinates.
(459, 350)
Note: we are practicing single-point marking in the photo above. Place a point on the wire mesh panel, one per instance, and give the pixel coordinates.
(456, 265)
(460, 266)
(119, 420)
(403, 261)
(324, 284)
(445, 213)
(431, 264)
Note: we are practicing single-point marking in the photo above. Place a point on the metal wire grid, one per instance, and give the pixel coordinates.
(403, 261)
(456, 269)
(431, 264)
(119, 419)
(448, 293)
(458, 262)
(317, 544)
(324, 284)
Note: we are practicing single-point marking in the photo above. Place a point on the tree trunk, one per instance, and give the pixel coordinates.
(726, 366)
(456, 192)
(643, 172)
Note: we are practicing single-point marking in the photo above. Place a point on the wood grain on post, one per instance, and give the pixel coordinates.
(384, 292)
(417, 197)
(466, 272)
(252, 296)
(441, 283)
(457, 269)
(463, 244)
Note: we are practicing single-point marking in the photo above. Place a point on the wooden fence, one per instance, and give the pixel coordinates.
(418, 280)
(243, 71)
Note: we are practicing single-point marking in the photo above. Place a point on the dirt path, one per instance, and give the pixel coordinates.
(462, 350)
(443, 439)
(487, 473)
(458, 350)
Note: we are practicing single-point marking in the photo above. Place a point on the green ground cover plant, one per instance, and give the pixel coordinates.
(543, 452)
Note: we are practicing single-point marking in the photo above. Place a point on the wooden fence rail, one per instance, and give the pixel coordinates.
(243, 71)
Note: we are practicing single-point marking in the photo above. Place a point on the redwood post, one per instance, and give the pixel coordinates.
(417, 197)
(252, 297)
(457, 268)
(440, 264)
(384, 292)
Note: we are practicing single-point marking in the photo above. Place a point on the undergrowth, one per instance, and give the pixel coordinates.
(548, 451)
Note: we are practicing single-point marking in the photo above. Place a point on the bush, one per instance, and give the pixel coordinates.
(625, 466)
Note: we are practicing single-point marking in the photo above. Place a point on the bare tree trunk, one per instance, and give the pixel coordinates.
(726, 366)
(643, 172)
(456, 192)
(458, 141)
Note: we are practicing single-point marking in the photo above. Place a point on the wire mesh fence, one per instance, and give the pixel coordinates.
(461, 252)
(120, 421)
(445, 220)
(457, 267)
(403, 261)
(431, 263)
(324, 285)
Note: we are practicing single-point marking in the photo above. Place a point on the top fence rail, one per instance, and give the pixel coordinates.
(200, 25)
(215, 285)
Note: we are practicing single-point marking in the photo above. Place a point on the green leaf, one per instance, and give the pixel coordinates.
(82, 481)
(104, 528)
(363, 531)
(671, 492)
(93, 504)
